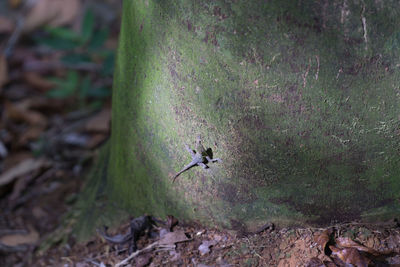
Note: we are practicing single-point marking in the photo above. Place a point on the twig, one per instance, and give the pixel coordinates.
(340, 71)
(316, 74)
(13, 232)
(165, 248)
(9, 249)
(306, 74)
(166, 243)
(364, 22)
(27, 5)
(344, 12)
(14, 37)
(92, 261)
(134, 254)
(39, 66)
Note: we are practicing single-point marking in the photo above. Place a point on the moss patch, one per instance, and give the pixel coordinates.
(300, 101)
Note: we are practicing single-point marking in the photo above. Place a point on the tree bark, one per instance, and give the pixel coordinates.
(300, 99)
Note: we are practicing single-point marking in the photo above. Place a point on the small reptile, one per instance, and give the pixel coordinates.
(138, 227)
(200, 157)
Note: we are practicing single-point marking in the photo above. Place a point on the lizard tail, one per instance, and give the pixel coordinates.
(176, 176)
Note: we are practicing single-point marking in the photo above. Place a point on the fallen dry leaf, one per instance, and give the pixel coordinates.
(52, 13)
(96, 140)
(172, 238)
(315, 262)
(3, 150)
(329, 264)
(100, 122)
(142, 260)
(37, 81)
(6, 25)
(15, 3)
(27, 166)
(41, 104)
(204, 248)
(39, 213)
(14, 158)
(3, 71)
(350, 256)
(323, 238)
(21, 113)
(18, 239)
(346, 242)
(21, 185)
(33, 133)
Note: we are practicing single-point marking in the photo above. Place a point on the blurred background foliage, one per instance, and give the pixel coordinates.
(56, 66)
(84, 48)
(74, 34)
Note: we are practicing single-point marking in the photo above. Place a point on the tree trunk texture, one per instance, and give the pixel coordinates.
(300, 99)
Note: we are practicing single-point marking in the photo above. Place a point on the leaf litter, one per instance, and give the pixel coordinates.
(46, 144)
(195, 245)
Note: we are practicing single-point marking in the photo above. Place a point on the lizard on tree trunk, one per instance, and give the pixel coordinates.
(200, 157)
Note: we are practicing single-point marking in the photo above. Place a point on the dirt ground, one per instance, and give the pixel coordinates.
(41, 216)
(280, 247)
(375, 245)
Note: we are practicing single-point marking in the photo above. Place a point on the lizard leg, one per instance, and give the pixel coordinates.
(213, 160)
(217, 159)
(204, 166)
(190, 150)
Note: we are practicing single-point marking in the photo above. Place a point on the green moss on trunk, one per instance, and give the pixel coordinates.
(301, 101)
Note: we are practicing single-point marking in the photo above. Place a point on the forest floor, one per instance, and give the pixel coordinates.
(344, 245)
(55, 89)
(188, 244)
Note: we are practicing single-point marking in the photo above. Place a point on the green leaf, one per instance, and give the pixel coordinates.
(76, 58)
(87, 26)
(72, 79)
(63, 33)
(59, 93)
(85, 86)
(98, 39)
(108, 64)
(96, 105)
(65, 87)
(57, 44)
(99, 92)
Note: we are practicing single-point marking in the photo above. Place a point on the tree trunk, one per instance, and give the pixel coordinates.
(300, 100)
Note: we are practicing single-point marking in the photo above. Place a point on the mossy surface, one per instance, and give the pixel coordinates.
(301, 101)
